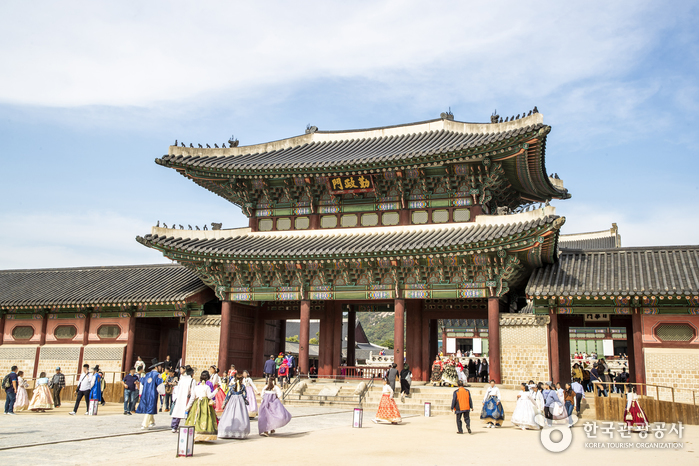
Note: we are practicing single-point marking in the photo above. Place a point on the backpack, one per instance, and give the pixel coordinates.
(282, 370)
(6, 382)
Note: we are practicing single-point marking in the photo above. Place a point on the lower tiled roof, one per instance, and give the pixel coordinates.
(98, 286)
(349, 242)
(669, 270)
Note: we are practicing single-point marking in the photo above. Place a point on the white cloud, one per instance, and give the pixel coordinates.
(71, 240)
(653, 227)
(145, 53)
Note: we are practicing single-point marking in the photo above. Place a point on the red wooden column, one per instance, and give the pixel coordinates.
(351, 327)
(226, 312)
(86, 333)
(184, 340)
(494, 338)
(336, 310)
(398, 332)
(130, 341)
(42, 337)
(304, 330)
(639, 364)
(325, 336)
(2, 329)
(425, 342)
(555, 361)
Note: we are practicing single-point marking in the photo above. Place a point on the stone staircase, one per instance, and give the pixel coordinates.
(341, 394)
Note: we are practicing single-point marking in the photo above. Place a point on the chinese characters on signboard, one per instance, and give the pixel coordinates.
(350, 184)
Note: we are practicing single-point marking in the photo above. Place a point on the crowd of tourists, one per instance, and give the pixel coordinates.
(218, 404)
(449, 370)
(595, 374)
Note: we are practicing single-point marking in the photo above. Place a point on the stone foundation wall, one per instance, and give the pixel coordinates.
(524, 348)
(672, 367)
(18, 355)
(203, 334)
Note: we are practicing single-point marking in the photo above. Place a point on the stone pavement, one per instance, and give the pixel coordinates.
(314, 436)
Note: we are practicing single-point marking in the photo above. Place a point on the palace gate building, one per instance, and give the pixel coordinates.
(415, 218)
(444, 223)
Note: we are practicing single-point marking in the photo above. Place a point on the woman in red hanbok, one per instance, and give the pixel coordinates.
(634, 416)
(388, 409)
(219, 393)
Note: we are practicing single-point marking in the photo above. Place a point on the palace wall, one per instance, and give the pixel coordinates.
(523, 348)
(203, 334)
(672, 367)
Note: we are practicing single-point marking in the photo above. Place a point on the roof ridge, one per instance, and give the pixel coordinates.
(92, 267)
(628, 248)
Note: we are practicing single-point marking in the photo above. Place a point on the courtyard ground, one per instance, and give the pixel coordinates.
(314, 436)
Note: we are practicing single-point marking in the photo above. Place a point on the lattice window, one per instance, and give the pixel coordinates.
(103, 354)
(283, 223)
(59, 353)
(390, 218)
(328, 221)
(65, 332)
(370, 220)
(348, 221)
(8, 353)
(265, 224)
(674, 332)
(420, 217)
(462, 215)
(440, 216)
(108, 332)
(23, 332)
(302, 223)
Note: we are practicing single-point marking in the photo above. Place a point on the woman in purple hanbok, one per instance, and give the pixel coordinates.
(251, 391)
(235, 421)
(272, 414)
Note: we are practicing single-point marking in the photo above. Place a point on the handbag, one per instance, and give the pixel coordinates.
(409, 377)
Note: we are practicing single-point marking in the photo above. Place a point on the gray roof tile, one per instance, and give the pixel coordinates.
(668, 270)
(94, 286)
(352, 241)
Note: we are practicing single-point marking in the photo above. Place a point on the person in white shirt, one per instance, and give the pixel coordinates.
(85, 383)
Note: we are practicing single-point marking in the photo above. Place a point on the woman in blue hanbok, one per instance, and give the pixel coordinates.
(235, 420)
(96, 391)
(492, 411)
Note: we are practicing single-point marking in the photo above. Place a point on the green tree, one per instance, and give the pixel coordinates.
(294, 339)
(388, 343)
(313, 341)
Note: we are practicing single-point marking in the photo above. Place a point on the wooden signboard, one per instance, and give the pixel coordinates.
(350, 184)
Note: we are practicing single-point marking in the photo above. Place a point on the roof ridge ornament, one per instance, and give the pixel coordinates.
(495, 117)
(447, 115)
(311, 129)
(233, 142)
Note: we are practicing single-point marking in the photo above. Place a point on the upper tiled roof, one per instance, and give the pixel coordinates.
(327, 149)
(98, 286)
(607, 239)
(625, 271)
(242, 244)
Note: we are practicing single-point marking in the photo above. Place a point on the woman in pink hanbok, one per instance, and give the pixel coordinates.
(22, 400)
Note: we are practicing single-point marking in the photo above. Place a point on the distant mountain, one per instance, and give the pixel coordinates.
(378, 326)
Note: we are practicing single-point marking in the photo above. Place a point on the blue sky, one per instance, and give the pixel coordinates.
(92, 92)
